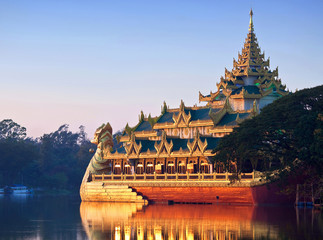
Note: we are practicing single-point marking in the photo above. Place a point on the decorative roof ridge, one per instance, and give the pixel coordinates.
(197, 107)
(240, 111)
(145, 136)
(209, 97)
(142, 118)
(145, 131)
(168, 138)
(171, 110)
(147, 118)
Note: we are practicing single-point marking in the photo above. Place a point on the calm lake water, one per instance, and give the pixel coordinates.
(62, 217)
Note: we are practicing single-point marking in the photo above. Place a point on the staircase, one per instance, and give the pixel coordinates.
(100, 192)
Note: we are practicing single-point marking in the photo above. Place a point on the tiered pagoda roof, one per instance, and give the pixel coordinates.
(166, 147)
(222, 119)
(250, 76)
(195, 131)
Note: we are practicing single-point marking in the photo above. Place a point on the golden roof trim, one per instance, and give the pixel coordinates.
(220, 129)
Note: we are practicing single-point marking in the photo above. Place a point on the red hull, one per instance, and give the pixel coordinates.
(237, 195)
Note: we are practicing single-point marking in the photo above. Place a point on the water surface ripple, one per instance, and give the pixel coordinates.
(65, 217)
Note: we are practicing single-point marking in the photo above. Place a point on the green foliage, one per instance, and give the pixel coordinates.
(56, 160)
(64, 152)
(286, 137)
(15, 155)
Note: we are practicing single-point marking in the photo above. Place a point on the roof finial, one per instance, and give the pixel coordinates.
(251, 22)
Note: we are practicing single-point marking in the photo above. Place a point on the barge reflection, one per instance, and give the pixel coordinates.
(136, 221)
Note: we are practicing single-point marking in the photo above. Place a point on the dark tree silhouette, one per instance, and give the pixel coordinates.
(286, 138)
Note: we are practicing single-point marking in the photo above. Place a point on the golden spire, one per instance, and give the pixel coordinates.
(251, 22)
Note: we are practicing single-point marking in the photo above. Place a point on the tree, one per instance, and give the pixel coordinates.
(56, 160)
(10, 129)
(285, 138)
(16, 151)
(64, 156)
(82, 138)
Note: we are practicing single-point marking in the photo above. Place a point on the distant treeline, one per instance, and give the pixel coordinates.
(56, 160)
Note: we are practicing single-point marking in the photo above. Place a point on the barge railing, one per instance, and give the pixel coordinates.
(246, 177)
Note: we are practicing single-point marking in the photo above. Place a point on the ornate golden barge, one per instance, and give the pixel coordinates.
(169, 157)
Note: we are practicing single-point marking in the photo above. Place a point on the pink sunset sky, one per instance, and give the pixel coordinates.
(92, 62)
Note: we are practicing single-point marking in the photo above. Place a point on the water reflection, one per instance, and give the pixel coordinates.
(58, 217)
(102, 220)
(40, 217)
(134, 221)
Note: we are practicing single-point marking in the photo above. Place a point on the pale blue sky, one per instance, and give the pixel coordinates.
(89, 62)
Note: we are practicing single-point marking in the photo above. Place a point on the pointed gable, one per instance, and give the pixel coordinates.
(133, 148)
(164, 147)
(197, 146)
